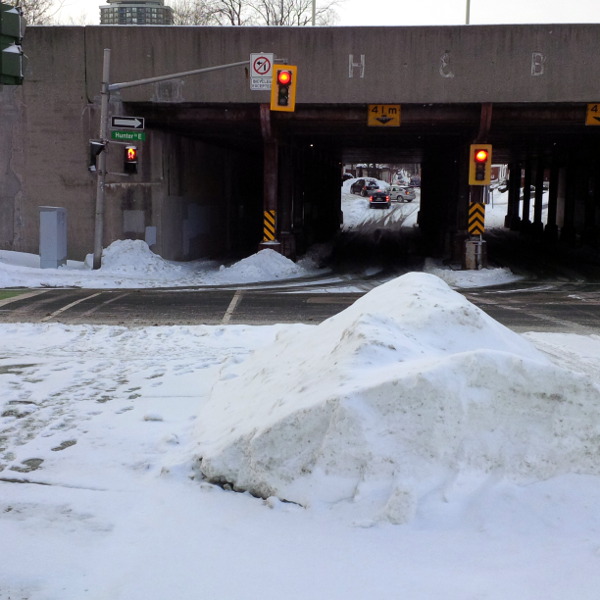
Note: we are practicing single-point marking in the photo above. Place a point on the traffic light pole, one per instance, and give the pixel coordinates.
(107, 88)
(101, 181)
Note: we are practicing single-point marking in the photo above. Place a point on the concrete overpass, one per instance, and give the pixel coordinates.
(214, 158)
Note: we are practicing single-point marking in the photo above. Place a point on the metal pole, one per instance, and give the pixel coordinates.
(100, 187)
(127, 84)
(314, 12)
(468, 12)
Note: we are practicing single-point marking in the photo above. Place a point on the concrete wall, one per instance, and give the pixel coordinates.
(41, 158)
(46, 123)
(182, 187)
(458, 64)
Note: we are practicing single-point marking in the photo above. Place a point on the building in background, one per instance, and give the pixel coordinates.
(132, 12)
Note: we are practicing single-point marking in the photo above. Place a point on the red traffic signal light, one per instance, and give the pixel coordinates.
(130, 159)
(284, 77)
(481, 156)
(283, 88)
(480, 164)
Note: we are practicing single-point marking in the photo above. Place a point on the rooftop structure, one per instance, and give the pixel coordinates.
(133, 12)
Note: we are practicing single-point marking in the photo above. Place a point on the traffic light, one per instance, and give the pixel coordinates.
(11, 53)
(283, 88)
(96, 147)
(480, 164)
(130, 160)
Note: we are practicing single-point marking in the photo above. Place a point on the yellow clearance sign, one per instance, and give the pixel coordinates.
(592, 115)
(384, 115)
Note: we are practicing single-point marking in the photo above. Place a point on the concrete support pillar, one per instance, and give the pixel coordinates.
(286, 202)
(568, 230)
(512, 219)
(270, 181)
(551, 230)
(592, 204)
(538, 225)
(526, 209)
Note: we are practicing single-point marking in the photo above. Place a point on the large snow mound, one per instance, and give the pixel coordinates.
(439, 389)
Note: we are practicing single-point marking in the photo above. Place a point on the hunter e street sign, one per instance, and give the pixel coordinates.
(128, 136)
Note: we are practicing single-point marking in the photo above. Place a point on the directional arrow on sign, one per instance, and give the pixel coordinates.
(384, 120)
(128, 122)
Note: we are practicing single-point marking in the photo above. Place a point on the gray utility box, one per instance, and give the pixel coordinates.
(53, 237)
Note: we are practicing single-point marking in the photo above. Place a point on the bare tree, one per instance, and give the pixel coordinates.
(253, 12)
(39, 12)
(293, 12)
(233, 12)
(194, 12)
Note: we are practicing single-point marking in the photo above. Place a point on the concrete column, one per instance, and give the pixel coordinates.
(551, 230)
(512, 219)
(568, 230)
(538, 225)
(525, 220)
(270, 176)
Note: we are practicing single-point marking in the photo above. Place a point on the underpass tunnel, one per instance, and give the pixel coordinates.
(204, 188)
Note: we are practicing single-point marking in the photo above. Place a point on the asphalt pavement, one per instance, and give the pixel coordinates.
(558, 306)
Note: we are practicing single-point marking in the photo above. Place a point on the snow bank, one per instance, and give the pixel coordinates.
(131, 264)
(265, 265)
(135, 257)
(437, 389)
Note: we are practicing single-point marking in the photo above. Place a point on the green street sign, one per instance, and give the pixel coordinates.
(128, 136)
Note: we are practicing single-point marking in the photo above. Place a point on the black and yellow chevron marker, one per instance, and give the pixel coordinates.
(476, 218)
(269, 226)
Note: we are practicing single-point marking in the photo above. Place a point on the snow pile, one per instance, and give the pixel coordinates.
(264, 266)
(135, 256)
(392, 400)
(469, 278)
(131, 264)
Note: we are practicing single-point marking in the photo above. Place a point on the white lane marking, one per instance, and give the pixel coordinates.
(234, 302)
(68, 306)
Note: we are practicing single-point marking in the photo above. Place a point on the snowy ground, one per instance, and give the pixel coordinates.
(413, 449)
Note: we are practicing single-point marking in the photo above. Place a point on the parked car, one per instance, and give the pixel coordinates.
(401, 193)
(364, 187)
(379, 199)
(415, 180)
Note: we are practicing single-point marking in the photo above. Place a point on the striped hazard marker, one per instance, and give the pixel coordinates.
(476, 224)
(269, 226)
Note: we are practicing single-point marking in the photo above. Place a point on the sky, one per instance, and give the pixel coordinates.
(409, 444)
(424, 12)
